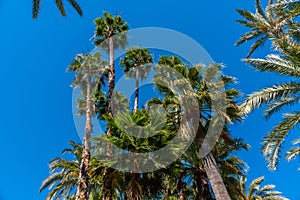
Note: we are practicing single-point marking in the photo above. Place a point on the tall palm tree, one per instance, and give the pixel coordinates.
(266, 192)
(285, 62)
(88, 68)
(136, 64)
(110, 34)
(59, 4)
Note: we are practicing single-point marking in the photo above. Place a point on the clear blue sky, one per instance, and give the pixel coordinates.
(36, 113)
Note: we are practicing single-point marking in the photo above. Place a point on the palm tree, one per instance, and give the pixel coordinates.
(281, 95)
(202, 93)
(110, 34)
(136, 64)
(63, 174)
(266, 192)
(87, 72)
(59, 4)
(264, 24)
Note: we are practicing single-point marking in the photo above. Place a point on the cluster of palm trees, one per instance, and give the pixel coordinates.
(219, 174)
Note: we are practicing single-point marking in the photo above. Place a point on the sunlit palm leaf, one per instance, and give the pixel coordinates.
(276, 64)
(273, 142)
(276, 106)
(268, 94)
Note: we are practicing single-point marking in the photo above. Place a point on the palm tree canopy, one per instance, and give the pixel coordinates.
(281, 20)
(110, 26)
(136, 58)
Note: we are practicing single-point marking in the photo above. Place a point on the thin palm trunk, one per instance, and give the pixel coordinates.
(111, 85)
(136, 101)
(111, 79)
(83, 179)
(215, 178)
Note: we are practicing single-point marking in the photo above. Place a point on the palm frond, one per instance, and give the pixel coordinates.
(259, 9)
(35, 8)
(276, 106)
(76, 6)
(293, 152)
(276, 64)
(273, 142)
(254, 186)
(265, 95)
(260, 42)
(247, 36)
(61, 8)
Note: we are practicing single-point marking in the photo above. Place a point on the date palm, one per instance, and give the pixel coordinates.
(59, 4)
(258, 22)
(276, 22)
(286, 62)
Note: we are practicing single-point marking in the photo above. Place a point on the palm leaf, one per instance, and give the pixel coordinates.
(76, 6)
(35, 8)
(276, 64)
(61, 8)
(278, 105)
(254, 186)
(293, 152)
(265, 95)
(273, 142)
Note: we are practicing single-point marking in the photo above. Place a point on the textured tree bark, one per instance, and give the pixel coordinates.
(83, 179)
(215, 178)
(211, 169)
(202, 185)
(136, 101)
(111, 85)
(111, 80)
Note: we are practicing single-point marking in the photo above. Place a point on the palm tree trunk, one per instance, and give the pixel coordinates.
(215, 178)
(202, 184)
(111, 85)
(180, 188)
(83, 179)
(107, 185)
(111, 80)
(136, 101)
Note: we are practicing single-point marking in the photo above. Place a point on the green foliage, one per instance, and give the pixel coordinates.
(158, 122)
(110, 27)
(137, 63)
(266, 192)
(279, 23)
